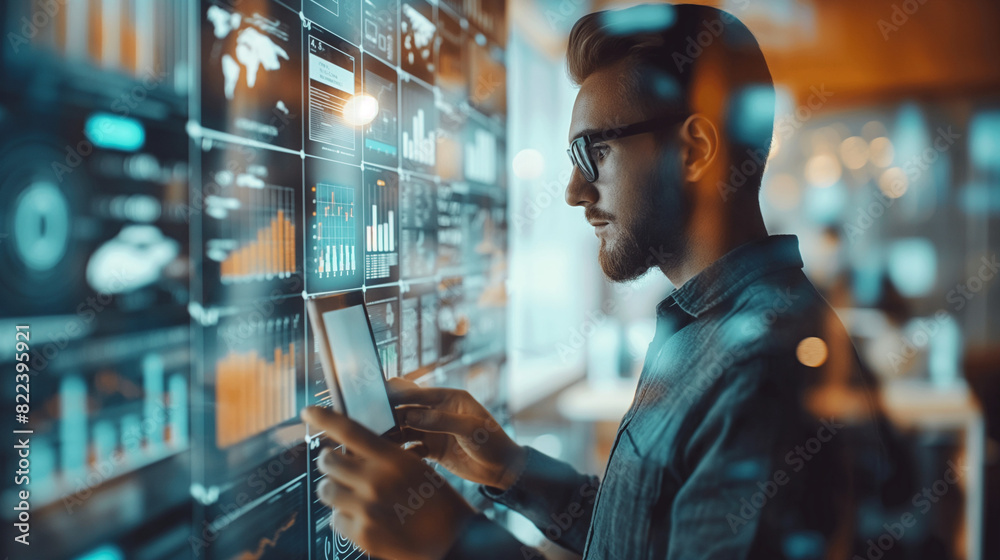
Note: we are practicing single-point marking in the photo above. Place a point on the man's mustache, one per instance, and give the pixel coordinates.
(594, 215)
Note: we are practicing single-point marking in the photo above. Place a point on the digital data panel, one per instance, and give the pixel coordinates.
(381, 226)
(418, 226)
(251, 71)
(341, 17)
(262, 517)
(381, 29)
(255, 359)
(488, 16)
(487, 77)
(196, 171)
(480, 154)
(252, 224)
(381, 136)
(418, 127)
(335, 226)
(451, 145)
(419, 36)
(333, 76)
(107, 409)
(419, 340)
(131, 204)
(384, 314)
(451, 69)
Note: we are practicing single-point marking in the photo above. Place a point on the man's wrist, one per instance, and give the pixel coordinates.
(457, 525)
(513, 468)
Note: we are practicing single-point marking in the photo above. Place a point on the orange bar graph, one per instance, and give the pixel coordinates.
(271, 253)
(253, 394)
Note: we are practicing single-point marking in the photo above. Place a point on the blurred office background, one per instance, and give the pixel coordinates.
(885, 164)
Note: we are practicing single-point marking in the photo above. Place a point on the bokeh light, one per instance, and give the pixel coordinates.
(881, 152)
(893, 182)
(822, 170)
(854, 152)
(811, 351)
(528, 164)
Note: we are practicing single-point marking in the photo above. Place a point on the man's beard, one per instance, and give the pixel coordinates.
(654, 234)
(633, 254)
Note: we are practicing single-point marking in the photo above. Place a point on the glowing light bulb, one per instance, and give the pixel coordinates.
(360, 109)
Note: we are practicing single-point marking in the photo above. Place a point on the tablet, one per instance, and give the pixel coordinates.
(351, 365)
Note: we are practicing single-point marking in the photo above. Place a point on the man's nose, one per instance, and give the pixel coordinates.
(580, 192)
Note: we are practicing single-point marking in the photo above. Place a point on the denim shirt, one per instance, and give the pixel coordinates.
(739, 443)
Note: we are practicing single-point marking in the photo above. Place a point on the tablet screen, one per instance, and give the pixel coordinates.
(356, 363)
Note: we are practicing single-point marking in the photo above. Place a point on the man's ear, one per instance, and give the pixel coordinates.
(700, 138)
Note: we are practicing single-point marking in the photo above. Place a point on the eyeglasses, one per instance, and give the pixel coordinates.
(580, 148)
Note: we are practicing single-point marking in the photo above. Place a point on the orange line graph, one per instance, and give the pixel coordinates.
(266, 542)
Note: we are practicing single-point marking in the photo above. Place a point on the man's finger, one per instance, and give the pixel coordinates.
(408, 434)
(337, 495)
(420, 450)
(431, 420)
(346, 469)
(342, 429)
(405, 392)
(345, 524)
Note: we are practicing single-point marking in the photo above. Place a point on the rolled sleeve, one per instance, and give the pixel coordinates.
(482, 539)
(552, 495)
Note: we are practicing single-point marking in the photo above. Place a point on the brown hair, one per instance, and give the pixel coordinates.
(666, 47)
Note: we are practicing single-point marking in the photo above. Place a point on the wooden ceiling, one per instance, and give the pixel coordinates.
(866, 51)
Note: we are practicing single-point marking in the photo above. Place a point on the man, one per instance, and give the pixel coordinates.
(740, 441)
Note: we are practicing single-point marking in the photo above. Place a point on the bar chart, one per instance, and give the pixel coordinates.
(255, 385)
(418, 141)
(381, 226)
(418, 125)
(382, 304)
(269, 249)
(336, 216)
(103, 420)
(481, 156)
(335, 230)
(389, 354)
(251, 224)
(380, 236)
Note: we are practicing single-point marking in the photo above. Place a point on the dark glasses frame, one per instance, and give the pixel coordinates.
(579, 148)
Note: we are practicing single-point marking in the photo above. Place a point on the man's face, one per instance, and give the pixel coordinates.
(636, 202)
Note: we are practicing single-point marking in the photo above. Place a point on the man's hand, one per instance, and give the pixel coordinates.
(457, 432)
(387, 500)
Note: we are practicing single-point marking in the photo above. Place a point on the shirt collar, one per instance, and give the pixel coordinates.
(735, 270)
